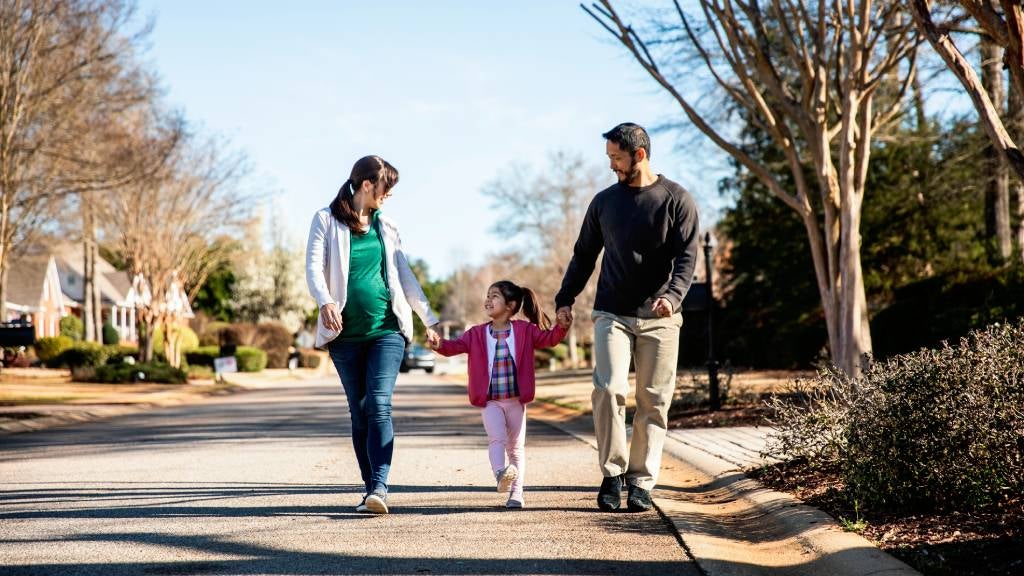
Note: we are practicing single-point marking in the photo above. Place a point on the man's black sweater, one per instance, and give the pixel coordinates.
(649, 235)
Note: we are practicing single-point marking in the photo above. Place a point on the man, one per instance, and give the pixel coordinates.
(647, 226)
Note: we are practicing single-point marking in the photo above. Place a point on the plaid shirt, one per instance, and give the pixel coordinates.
(503, 371)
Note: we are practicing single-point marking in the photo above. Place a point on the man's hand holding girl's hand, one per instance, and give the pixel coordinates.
(564, 317)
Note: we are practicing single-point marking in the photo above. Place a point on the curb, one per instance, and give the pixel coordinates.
(733, 526)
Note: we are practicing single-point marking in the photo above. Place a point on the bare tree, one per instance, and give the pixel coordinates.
(167, 228)
(808, 74)
(546, 209)
(1003, 26)
(65, 67)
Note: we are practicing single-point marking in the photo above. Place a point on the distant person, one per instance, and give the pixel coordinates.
(366, 292)
(501, 376)
(647, 226)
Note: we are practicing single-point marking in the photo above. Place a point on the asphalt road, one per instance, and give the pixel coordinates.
(265, 482)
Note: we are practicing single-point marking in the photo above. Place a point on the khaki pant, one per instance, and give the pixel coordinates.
(653, 343)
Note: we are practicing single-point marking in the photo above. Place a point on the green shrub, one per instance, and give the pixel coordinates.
(117, 353)
(110, 335)
(72, 327)
(250, 359)
(83, 354)
(202, 356)
(189, 340)
(49, 348)
(934, 429)
(122, 373)
(275, 340)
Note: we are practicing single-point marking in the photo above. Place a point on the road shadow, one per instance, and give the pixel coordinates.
(256, 559)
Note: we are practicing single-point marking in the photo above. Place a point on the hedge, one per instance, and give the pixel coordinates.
(88, 354)
(49, 348)
(111, 336)
(249, 359)
(123, 373)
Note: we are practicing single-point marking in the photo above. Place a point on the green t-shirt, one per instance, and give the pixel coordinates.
(367, 314)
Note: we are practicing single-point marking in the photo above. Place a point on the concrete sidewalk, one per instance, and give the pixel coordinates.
(730, 524)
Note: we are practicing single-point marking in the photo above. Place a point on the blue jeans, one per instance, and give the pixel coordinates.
(368, 372)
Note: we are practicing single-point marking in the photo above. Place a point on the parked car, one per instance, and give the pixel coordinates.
(417, 356)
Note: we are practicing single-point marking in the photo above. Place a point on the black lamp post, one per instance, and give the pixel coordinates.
(712, 363)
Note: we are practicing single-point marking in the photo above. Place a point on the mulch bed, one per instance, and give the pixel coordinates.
(936, 544)
(732, 415)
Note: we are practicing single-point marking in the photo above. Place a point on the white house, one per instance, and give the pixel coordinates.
(48, 284)
(34, 293)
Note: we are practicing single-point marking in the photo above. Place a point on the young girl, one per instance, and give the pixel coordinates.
(501, 378)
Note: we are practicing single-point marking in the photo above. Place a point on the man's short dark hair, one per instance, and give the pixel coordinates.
(630, 137)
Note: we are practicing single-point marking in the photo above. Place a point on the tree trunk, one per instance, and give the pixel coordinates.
(997, 197)
(5, 250)
(97, 297)
(172, 337)
(145, 331)
(88, 234)
(3, 285)
(1015, 105)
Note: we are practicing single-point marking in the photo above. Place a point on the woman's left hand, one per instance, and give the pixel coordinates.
(433, 338)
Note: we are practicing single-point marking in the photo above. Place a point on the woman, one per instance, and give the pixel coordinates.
(366, 292)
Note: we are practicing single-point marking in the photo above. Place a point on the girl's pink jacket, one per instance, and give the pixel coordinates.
(528, 337)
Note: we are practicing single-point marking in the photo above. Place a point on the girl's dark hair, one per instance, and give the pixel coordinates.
(525, 299)
(372, 168)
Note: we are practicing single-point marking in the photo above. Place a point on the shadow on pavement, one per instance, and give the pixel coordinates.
(264, 560)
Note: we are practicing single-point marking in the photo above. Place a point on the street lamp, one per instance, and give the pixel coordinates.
(714, 399)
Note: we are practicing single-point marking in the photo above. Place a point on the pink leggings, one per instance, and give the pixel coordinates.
(505, 423)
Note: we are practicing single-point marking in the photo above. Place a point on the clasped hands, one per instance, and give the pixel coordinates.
(433, 338)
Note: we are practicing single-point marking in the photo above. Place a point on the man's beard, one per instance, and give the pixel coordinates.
(632, 174)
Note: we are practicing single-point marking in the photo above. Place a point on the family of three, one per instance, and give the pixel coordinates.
(647, 227)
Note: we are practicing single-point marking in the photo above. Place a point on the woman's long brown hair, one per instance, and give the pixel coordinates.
(367, 168)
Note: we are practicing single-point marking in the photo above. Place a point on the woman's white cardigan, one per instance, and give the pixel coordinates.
(327, 265)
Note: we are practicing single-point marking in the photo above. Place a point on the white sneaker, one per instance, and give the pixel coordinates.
(361, 508)
(376, 504)
(506, 476)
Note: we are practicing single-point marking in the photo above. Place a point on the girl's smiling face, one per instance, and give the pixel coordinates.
(496, 306)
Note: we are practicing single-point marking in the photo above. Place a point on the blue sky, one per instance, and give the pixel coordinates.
(450, 91)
